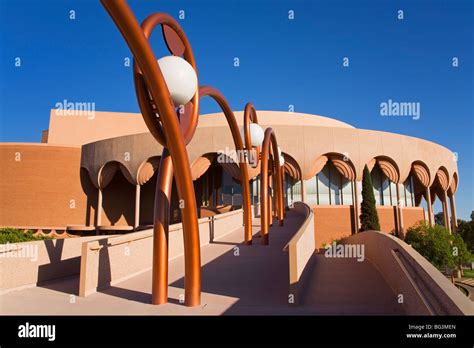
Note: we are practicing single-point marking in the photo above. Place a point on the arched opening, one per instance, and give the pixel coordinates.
(217, 184)
(91, 197)
(118, 195)
(333, 183)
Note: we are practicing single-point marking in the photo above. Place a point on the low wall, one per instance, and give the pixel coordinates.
(111, 260)
(301, 248)
(32, 263)
(425, 290)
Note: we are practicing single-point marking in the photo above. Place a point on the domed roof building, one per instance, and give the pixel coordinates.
(97, 172)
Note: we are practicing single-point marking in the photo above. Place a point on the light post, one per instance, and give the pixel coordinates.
(259, 141)
(162, 87)
(158, 99)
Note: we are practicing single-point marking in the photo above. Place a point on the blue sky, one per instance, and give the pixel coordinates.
(282, 62)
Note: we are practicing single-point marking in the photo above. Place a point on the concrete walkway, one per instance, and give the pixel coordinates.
(236, 279)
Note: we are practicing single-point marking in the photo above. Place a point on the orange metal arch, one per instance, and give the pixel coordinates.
(244, 174)
(265, 214)
(176, 145)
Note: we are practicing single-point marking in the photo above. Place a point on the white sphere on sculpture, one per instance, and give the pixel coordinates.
(282, 160)
(256, 134)
(180, 78)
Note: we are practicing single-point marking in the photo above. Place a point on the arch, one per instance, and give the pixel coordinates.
(453, 187)
(421, 172)
(343, 165)
(442, 178)
(107, 173)
(389, 168)
(317, 166)
(147, 169)
(201, 164)
(292, 167)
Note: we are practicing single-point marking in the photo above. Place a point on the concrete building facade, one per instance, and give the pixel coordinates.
(98, 172)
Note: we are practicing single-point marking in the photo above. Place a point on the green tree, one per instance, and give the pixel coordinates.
(369, 218)
(439, 218)
(466, 230)
(460, 253)
(433, 242)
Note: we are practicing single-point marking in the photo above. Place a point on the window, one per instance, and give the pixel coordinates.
(329, 187)
(385, 190)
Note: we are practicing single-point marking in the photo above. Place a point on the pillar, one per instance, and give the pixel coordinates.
(355, 202)
(99, 211)
(401, 229)
(430, 207)
(447, 223)
(454, 219)
(137, 207)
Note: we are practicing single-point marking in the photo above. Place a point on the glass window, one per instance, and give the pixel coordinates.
(347, 191)
(377, 184)
(335, 185)
(323, 186)
(311, 192)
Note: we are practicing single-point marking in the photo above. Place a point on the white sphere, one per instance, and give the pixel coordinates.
(282, 160)
(180, 78)
(256, 134)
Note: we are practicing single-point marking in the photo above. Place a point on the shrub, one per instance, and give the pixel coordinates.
(369, 219)
(437, 245)
(13, 235)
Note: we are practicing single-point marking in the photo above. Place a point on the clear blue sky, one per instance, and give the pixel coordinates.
(282, 62)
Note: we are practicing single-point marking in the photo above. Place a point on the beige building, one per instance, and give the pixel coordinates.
(97, 172)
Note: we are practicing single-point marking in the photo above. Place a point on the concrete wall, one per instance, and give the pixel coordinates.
(301, 248)
(111, 260)
(40, 185)
(425, 290)
(32, 263)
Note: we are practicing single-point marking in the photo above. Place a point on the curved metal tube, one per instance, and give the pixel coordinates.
(244, 175)
(250, 116)
(265, 215)
(146, 61)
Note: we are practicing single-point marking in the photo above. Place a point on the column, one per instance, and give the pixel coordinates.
(454, 219)
(137, 207)
(430, 207)
(99, 211)
(401, 229)
(447, 224)
(356, 206)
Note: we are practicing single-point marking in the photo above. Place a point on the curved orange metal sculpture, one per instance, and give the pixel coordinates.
(244, 175)
(265, 213)
(173, 134)
(250, 116)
